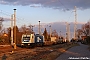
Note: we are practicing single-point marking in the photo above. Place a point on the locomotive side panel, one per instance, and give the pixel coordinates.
(39, 40)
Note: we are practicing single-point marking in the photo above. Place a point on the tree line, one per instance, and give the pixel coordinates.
(5, 37)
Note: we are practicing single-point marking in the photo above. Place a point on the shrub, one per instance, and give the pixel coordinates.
(88, 40)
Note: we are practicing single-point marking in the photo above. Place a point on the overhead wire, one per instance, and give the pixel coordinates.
(9, 16)
(66, 9)
(18, 18)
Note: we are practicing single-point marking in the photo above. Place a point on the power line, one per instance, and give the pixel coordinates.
(9, 14)
(63, 5)
(69, 16)
(19, 20)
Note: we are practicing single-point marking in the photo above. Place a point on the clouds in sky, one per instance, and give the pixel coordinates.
(55, 4)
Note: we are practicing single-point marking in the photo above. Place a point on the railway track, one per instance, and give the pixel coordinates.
(30, 53)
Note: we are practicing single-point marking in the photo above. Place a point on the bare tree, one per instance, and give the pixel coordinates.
(23, 28)
(79, 32)
(54, 33)
(31, 28)
(85, 29)
(26, 29)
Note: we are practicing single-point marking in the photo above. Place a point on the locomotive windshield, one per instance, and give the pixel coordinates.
(26, 39)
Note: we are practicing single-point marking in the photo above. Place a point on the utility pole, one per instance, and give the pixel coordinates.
(60, 34)
(39, 28)
(1, 20)
(75, 23)
(67, 31)
(50, 31)
(14, 28)
(32, 28)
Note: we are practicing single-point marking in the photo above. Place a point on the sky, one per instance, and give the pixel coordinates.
(46, 11)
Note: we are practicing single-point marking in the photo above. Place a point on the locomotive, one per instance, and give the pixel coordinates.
(33, 40)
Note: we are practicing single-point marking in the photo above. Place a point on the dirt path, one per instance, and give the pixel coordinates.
(77, 52)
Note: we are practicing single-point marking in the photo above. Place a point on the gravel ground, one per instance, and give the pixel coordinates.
(37, 53)
(77, 52)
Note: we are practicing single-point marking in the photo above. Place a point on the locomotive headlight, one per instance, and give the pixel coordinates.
(28, 44)
(22, 44)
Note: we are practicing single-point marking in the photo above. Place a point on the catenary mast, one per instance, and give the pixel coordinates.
(75, 23)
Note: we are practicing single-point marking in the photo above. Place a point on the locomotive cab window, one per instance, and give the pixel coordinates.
(26, 39)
